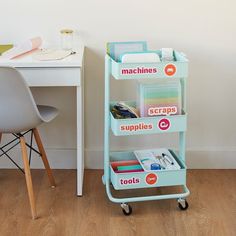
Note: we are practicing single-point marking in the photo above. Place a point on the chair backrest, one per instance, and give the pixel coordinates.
(18, 111)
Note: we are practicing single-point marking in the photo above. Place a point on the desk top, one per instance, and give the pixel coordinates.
(26, 60)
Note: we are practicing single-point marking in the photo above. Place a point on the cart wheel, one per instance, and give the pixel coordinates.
(183, 204)
(127, 209)
(103, 180)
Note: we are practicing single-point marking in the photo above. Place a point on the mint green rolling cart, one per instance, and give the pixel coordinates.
(145, 125)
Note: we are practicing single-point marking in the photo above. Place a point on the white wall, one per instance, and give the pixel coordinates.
(203, 29)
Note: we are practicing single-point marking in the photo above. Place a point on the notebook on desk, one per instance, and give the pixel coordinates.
(5, 47)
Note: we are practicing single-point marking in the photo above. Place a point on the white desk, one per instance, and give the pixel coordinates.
(66, 72)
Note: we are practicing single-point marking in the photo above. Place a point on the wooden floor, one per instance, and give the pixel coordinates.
(212, 207)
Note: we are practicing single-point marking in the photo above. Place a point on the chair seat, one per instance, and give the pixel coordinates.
(47, 113)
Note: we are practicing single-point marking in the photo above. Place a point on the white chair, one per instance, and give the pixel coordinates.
(20, 115)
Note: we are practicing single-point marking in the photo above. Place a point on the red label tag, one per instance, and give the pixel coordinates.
(164, 124)
(151, 178)
(170, 69)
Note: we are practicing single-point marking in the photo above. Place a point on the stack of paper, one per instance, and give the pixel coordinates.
(159, 98)
(22, 48)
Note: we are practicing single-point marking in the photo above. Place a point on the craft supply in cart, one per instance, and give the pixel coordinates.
(122, 110)
(149, 159)
(155, 166)
(115, 49)
(126, 166)
(167, 54)
(140, 57)
(129, 168)
(159, 98)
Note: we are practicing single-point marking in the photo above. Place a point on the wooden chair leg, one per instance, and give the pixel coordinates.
(28, 177)
(0, 137)
(44, 157)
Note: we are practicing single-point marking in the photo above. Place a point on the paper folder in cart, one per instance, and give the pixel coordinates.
(159, 98)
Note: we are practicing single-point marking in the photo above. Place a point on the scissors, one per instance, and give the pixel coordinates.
(164, 160)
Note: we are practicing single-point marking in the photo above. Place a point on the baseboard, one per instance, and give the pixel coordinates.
(66, 159)
(211, 159)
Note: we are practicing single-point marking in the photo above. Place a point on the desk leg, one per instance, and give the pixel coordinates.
(80, 140)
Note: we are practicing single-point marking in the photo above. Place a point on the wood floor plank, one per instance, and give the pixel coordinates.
(212, 207)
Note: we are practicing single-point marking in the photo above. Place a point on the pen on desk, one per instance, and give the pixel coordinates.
(167, 157)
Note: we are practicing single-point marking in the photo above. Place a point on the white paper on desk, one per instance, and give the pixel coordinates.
(51, 54)
(22, 48)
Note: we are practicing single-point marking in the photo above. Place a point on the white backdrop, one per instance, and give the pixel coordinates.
(203, 29)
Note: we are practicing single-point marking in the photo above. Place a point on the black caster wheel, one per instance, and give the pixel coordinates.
(183, 204)
(127, 209)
